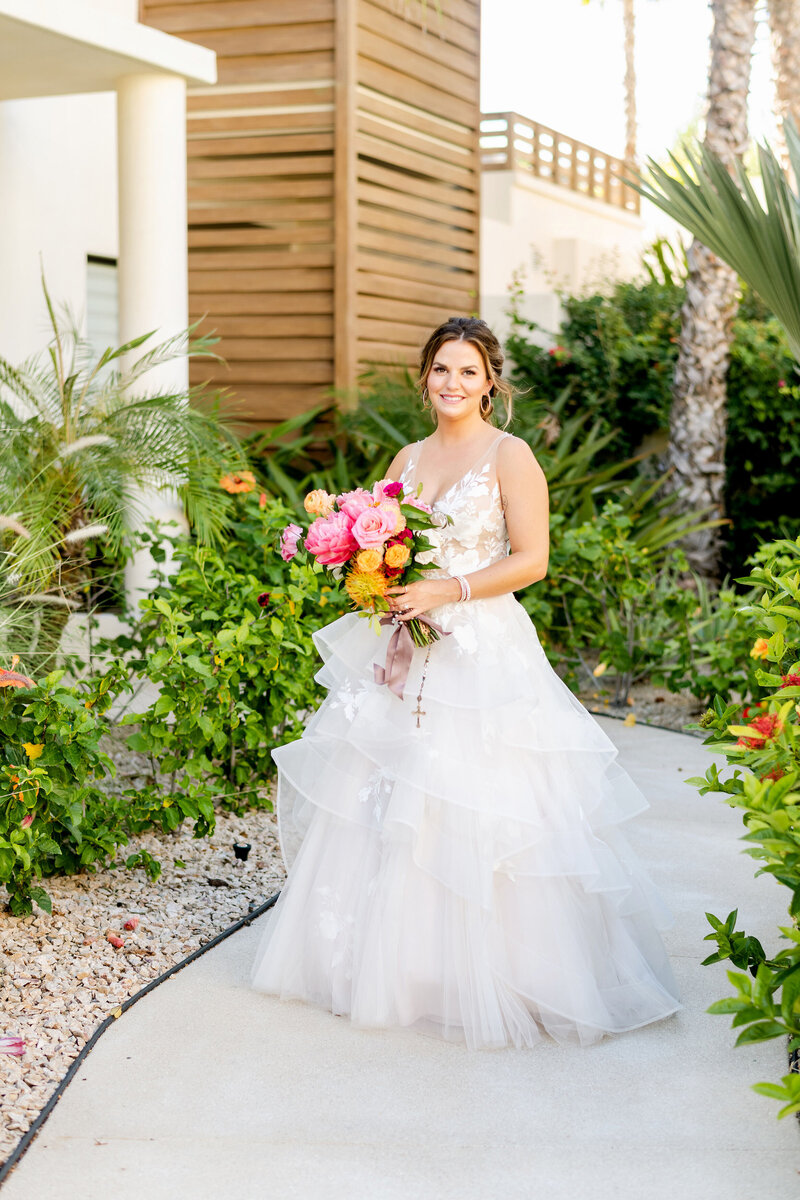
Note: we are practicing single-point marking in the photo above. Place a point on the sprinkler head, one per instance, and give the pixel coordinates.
(241, 850)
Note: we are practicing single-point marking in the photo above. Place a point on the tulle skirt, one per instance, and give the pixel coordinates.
(462, 871)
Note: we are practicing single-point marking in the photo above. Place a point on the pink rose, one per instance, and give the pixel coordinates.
(393, 489)
(289, 539)
(331, 540)
(373, 526)
(354, 503)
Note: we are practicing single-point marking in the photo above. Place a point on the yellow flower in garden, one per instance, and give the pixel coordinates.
(365, 587)
(630, 719)
(760, 648)
(369, 560)
(319, 502)
(397, 556)
(600, 669)
(33, 749)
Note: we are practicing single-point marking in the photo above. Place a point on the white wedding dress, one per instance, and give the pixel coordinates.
(462, 872)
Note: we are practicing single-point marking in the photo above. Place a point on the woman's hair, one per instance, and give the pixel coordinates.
(478, 334)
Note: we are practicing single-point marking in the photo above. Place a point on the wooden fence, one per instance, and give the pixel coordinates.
(333, 186)
(508, 141)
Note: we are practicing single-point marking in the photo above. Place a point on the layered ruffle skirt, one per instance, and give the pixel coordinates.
(462, 871)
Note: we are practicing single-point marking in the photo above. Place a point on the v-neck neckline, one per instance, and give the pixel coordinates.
(468, 471)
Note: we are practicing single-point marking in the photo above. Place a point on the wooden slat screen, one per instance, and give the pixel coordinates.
(333, 181)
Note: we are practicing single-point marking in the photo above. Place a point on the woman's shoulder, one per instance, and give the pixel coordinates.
(402, 459)
(515, 455)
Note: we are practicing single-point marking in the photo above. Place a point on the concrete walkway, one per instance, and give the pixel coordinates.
(206, 1090)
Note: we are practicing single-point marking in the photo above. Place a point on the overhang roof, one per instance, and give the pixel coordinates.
(61, 47)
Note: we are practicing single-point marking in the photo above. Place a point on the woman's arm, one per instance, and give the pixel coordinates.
(524, 496)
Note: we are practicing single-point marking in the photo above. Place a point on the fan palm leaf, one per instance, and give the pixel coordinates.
(759, 239)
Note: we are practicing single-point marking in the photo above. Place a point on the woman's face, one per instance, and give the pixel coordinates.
(457, 380)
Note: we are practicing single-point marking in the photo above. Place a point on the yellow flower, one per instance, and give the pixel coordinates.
(365, 587)
(33, 749)
(600, 669)
(369, 560)
(760, 648)
(397, 556)
(630, 719)
(319, 502)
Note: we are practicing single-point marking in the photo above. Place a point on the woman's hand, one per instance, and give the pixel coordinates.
(409, 600)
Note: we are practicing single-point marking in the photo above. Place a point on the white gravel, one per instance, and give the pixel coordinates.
(60, 977)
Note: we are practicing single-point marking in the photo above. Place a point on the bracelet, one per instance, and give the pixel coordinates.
(466, 591)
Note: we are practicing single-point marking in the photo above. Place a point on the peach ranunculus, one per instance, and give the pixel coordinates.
(760, 648)
(331, 540)
(369, 560)
(354, 503)
(393, 508)
(319, 502)
(373, 527)
(238, 481)
(397, 556)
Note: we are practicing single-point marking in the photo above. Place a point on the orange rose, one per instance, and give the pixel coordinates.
(319, 502)
(369, 560)
(397, 556)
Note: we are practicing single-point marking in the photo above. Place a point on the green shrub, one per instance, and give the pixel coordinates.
(617, 353)
(227, 640)
(762, 745)
(54, 816)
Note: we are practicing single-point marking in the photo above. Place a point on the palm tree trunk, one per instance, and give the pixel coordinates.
(629, 22)
(784, 21)
(698, 416)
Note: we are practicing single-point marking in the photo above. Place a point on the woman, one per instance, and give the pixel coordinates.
(454, 861)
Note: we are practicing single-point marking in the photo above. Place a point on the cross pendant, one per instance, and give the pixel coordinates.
(418, 712)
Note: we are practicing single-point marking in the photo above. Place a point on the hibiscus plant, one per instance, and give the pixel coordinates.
(762, 744)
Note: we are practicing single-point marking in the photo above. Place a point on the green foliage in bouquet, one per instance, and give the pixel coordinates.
(54, 816)
(227, 638)
(762, 745)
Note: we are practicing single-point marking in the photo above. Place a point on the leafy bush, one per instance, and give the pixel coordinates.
(227, 640)
(54, 816)
(762, 744)
(617, 353)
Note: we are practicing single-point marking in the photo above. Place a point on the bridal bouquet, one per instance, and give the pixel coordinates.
(368, 541)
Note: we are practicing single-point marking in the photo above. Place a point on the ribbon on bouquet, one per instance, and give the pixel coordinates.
(399, 653)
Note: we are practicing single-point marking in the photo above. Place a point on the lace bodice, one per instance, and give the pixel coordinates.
(477, 536)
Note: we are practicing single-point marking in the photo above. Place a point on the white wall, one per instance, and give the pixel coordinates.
(556, 238)
(58, 201)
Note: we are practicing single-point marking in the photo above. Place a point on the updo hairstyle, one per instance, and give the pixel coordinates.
(478, 334)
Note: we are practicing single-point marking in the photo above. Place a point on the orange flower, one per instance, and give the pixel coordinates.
(397, 556)
(365, 587)
(764, 729)
(760, 648)
(262, 500)
(240, 481)
(14, 679)
(369, 560)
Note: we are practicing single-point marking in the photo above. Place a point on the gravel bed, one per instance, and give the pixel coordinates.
(59, 975)
(651, 706)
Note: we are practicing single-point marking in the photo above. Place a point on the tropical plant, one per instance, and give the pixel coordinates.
(762, 745)
(83, 440)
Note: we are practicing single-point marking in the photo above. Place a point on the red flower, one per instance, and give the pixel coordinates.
(26, 821)
(392, 489)
(765, 728)
(263, 599)
(262, 500)
(775, 774)
(790, 680)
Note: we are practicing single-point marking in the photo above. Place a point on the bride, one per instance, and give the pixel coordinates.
(454, 862)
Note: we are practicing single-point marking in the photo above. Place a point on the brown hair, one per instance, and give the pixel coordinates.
(478, 334)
